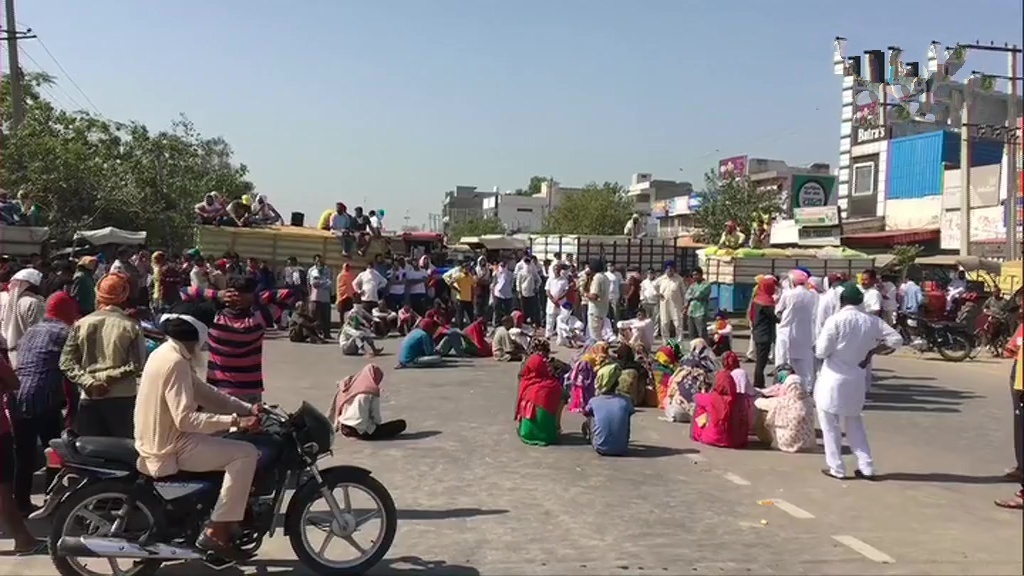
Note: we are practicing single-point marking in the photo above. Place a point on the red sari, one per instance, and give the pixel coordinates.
(722, 416)
(538, 388)
(477, 334)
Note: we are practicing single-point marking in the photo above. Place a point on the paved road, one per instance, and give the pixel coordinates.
(474, 500)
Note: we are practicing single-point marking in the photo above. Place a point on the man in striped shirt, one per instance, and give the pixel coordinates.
(236, 337)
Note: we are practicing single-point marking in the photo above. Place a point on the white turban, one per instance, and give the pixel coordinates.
(19, 282)
(29, 275)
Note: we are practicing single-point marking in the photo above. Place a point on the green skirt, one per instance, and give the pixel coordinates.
(541, 430)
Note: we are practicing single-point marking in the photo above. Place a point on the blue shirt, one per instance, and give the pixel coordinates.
(912, 297)
(416, 345)
(42, 383)
(610, 424)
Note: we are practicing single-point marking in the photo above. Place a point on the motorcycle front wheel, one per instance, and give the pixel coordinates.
(369, 530)
(955, 349)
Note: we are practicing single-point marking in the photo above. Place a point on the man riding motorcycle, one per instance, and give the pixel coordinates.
(172, 434)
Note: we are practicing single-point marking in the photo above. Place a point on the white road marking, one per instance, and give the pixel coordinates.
(864, 549)
(794, 511)
(736, 479)
(696, 458)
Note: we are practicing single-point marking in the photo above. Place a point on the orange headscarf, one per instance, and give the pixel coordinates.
(113, 290)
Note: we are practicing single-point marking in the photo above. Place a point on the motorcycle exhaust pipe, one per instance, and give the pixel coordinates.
(93, 547)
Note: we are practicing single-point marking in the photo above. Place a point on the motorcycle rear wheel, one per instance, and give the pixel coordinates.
(309, 493)
(73, 504)
(957, 349)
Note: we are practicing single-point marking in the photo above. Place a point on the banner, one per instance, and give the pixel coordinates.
(812, 190)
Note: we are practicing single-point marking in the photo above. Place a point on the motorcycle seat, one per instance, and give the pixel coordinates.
(120, 450)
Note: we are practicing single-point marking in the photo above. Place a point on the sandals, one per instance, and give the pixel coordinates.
(40, 548)
(1015, 503)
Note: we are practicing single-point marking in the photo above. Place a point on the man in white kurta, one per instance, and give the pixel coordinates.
(828, 305)
(794, 337)
(671, 288)
(845, 343)
(556, 290)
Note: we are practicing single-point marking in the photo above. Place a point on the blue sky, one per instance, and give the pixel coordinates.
(389, 103)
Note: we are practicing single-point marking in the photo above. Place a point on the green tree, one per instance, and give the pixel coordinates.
(904, 257)
(735, 199)
(601, 209)
(475, 227)
(88, 172)
(534, 187)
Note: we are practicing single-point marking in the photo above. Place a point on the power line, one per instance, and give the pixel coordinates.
(68, 76)
(44, 87)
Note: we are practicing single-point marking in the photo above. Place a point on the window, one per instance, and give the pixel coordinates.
(863, 179)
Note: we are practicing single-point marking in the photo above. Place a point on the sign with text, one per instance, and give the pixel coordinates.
(735, 167)
(820, 236)
(816, 216)
(811, 190)
(868, 134)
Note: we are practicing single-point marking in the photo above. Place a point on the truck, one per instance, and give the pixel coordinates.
(275, 244)
(22, 240)
(643, 253)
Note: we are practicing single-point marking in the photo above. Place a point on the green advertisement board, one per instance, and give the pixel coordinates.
(812, 190)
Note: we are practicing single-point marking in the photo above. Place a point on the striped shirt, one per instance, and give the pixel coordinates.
(236, 339)
(106, 347)
(42, 382)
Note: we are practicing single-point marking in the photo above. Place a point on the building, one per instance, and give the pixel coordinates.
(462, 204)
(517, 213)
(783, 177)
(554, 193)
(896, 163)
(663, 205)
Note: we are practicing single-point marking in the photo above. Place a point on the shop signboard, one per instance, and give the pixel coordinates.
(735, 167)
(694, 202)
(868, 134)
(817, 216)
(812, 190)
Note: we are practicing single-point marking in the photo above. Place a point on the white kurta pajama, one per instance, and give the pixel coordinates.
(794, 338)
(671, 290)
(841, 390)
(872, 305)
(555, 292)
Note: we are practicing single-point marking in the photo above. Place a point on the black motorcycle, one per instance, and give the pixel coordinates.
(953, 341)
(107, 512)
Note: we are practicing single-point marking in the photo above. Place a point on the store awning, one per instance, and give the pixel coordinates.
(891, 237)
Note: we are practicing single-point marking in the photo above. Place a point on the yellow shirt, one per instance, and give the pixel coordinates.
(325, 219)
(464, 287)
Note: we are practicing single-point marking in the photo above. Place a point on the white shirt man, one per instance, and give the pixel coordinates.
(841, 391)
(396, 283)
(794, 337)
(671, 288)
(890, 304)
(527, 280)
(828, 305)
(557, 289)
(597, 305)
(368, 284)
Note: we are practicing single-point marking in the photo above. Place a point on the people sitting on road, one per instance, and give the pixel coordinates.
(663, 367)
(302, 326)
(569, 328)
(476, 336)
(418, 350)
(356, 407)
(520, 331)
(583, 377)
(172, 432)
(608, 414)
(407, 319)
(356, 336)
(789, 417)
(639, 330)
(441, 313)
(541, 397)
(505, 347)
(385, 321)
(721, 334)
(722, 416)
(210, 211)
(264, 213)
(634, 376)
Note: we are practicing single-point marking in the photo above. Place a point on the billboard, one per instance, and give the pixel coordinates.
(812, 190)
(735, 167)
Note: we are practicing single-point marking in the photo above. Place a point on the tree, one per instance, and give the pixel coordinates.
(475, 227)
(88, 172)
(601, 209)
(735, 199)
(904, 257)
(534, 187)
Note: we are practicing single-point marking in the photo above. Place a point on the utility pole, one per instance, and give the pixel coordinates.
(965, 171)
(14, 76)
(1010, 140)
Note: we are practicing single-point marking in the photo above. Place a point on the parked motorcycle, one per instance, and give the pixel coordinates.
(105, 509)
(953, 341)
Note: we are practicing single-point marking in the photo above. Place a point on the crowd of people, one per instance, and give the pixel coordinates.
(20, 211)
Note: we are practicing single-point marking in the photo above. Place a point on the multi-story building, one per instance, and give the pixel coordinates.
(661, 204)
(894, 168)
(517, 213)
(462, 204)
(783, 177)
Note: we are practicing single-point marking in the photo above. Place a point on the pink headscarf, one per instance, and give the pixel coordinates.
(366, 381)
(798, 277)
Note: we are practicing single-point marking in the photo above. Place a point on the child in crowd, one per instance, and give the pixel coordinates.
(407, 320)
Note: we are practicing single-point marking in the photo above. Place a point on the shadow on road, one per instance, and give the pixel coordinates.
(650, 451)
(388, 567)
(419, 435)
(942, 478)
(449, 514)
(899, 396)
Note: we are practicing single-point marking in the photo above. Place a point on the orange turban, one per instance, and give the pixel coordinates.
(113, 290)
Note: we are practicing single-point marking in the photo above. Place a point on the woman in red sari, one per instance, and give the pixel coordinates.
(722, 416)
(476, 333)
(541, 396)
